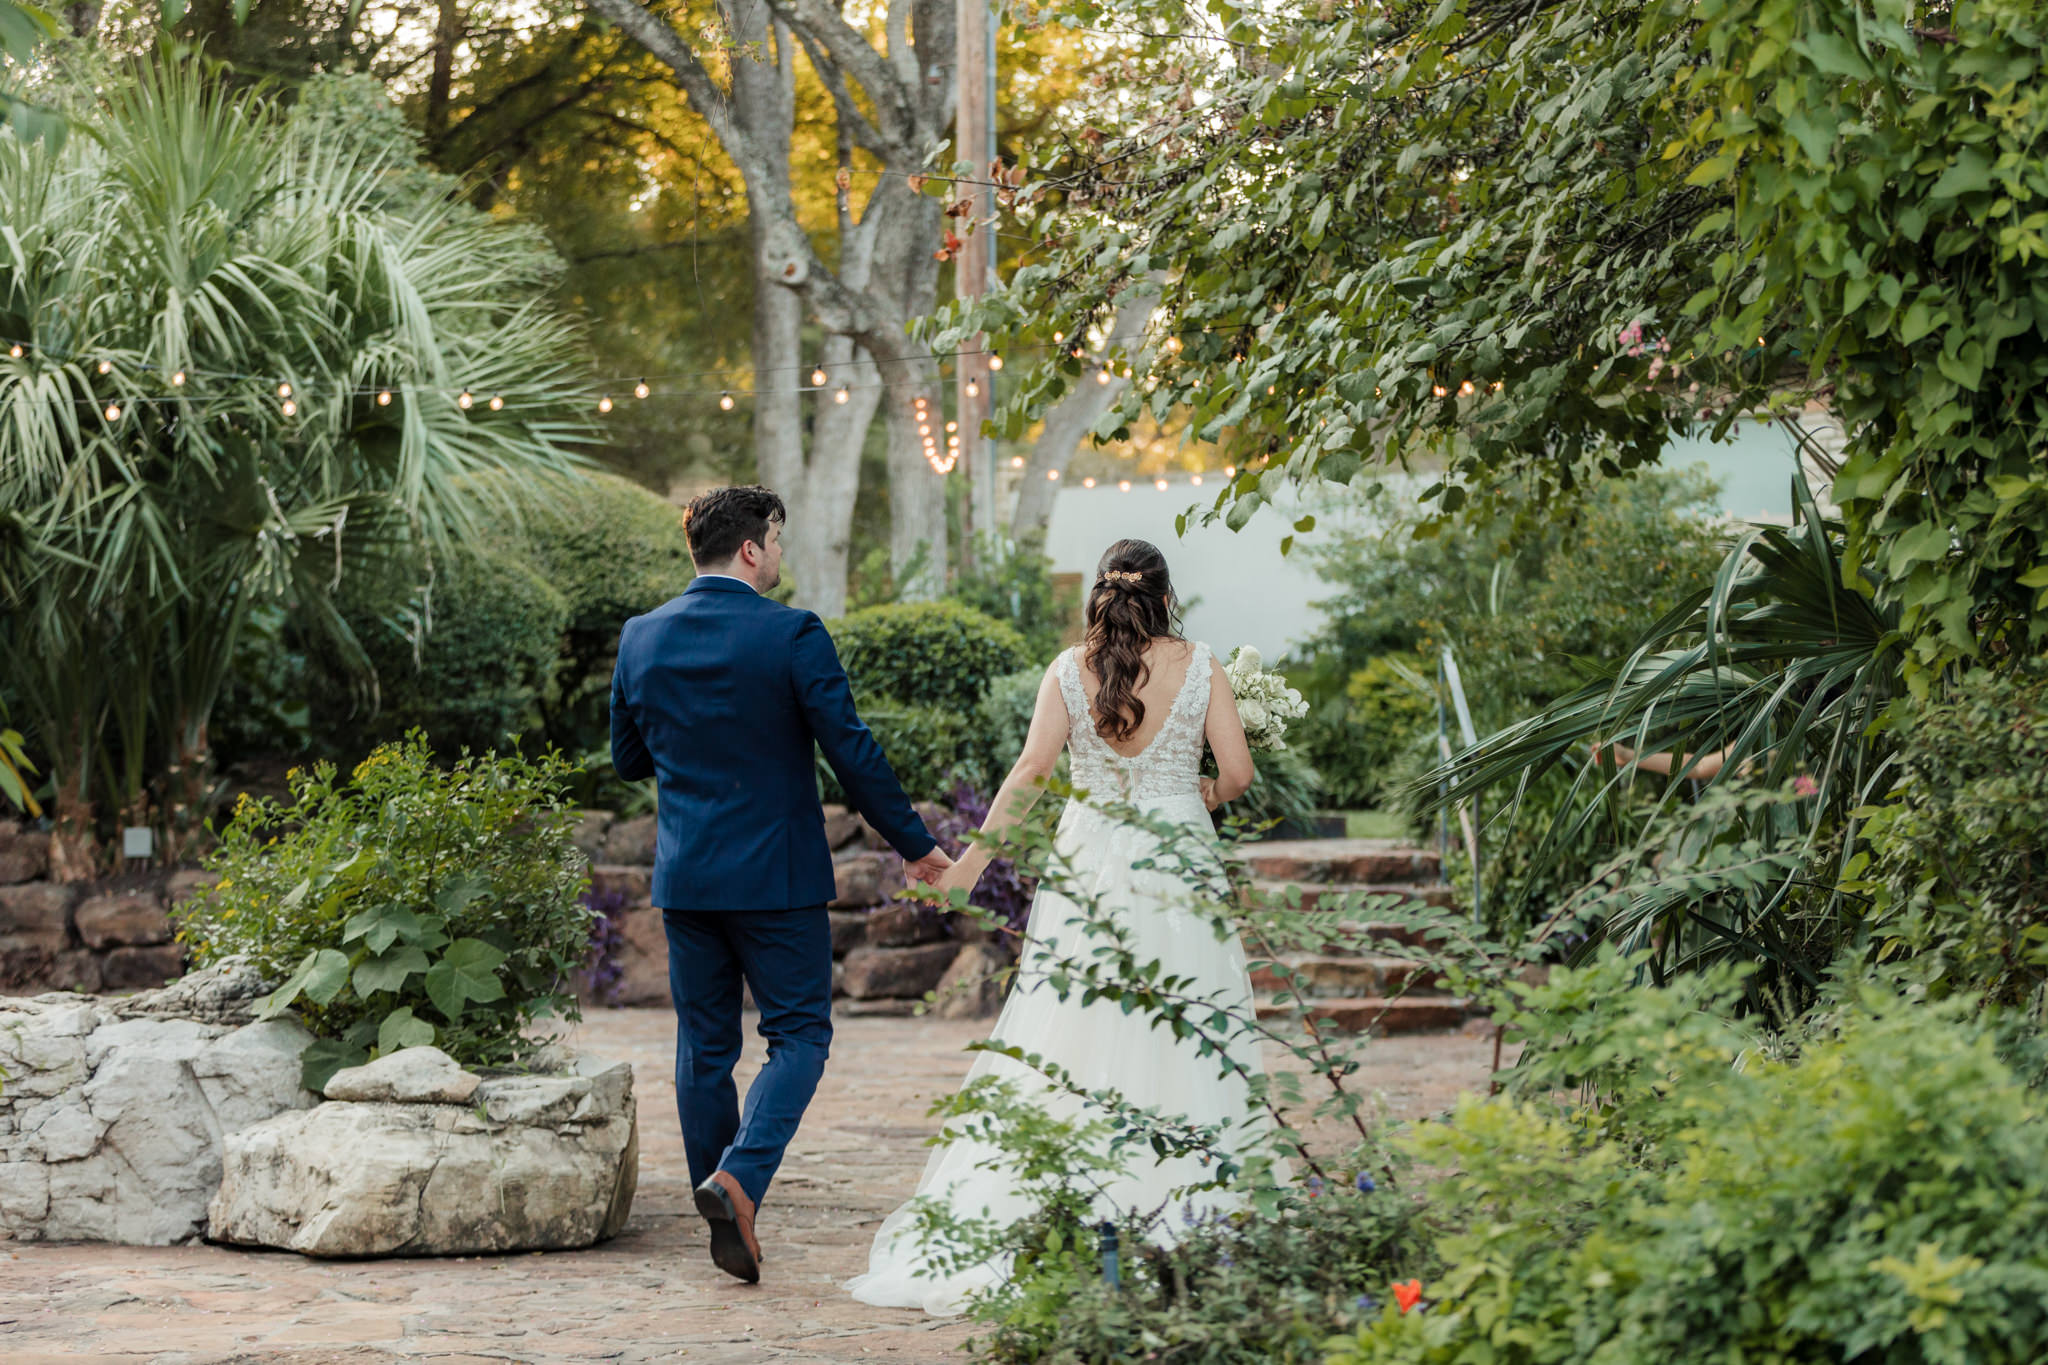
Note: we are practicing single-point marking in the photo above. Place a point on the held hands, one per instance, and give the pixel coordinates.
(929, 868)
(963, 874)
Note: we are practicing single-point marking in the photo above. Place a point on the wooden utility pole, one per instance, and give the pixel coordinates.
(974, 268)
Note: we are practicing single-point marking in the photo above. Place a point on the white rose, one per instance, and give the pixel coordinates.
(1246, 660)
(1254, 714)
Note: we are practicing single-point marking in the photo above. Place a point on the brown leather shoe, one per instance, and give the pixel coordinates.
(731, 1214)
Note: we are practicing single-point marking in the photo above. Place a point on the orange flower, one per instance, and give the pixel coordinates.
(1408, 1295)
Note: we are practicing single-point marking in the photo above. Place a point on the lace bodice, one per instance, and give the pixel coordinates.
(1171, 765)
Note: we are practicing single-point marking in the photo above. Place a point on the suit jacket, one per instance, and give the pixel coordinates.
(720, 694)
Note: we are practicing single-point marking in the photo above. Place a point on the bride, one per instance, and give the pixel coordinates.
(1133, 707)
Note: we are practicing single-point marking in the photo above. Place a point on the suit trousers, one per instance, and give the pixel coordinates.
(785, 959)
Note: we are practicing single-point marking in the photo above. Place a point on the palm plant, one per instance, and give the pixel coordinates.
(242, 333)
(1783, 668)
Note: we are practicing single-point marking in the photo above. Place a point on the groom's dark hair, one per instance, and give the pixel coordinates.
(721, 521)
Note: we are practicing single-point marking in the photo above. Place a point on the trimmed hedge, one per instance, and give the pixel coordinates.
(927, 653)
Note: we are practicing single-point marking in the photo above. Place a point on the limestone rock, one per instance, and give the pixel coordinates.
(896, 973)
(186, 883)
(589, 831)
(34, 929)
(223, 993)
(552, 1162)
(974, 986)
(110, 1128)
(861, 879)
(643, 959)
(903, 925)
(842, 827)
(849, 930)
(24, 853)
(629, 841)
(128, 969)
(631, 883)
(122, 918)
(413, 1075)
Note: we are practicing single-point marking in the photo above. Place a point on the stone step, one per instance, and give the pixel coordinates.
(1366, 861)
(1359, 1013)
(1314, 896)
(1324, 975)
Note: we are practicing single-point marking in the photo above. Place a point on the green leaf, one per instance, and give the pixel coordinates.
(325, 1056)
(1971, 174)
(381, 926)
(319, 977)
(465, 974)
(1927, 541)
(388, 971)
(402, 1029)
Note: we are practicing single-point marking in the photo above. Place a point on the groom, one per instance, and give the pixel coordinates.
(723, 695)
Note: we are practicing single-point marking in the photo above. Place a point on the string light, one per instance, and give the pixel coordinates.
(1196, 480)
(842, 395)
(725, 402)
(14, 351)
(1173, 344)
(995, 362)
(604, 404)
(106, 367)
(640, 389)
(497, 402)
(289, 408)
(1159, 484)
(1102, 376)
(1496, 386)
(463, 400)
(818, 378)
(1058, 337)
(924, 429)
(383, 398)
(973, 388)
(1439, 390)
(178, 379)
(1230, 471)
(113, 412)
(1123, 485)
(1052, 475)
(952, 426)
(1465, 388)
(284, 390)
(1088, 482)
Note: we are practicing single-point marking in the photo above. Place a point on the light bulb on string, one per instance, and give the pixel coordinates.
(497, 402)
(1496, 387)
(284, 390)
(113, 413)
(973, 388)
(177, 379)
(640, 389)
(1102, 376)
(1159, 484)
(952, 443)
(383, 398)
(289, 408)
(818, 378)
(1230, 471)
(1016, 462)
(1058, 337)
(1052, 476)
(1123, 485)
(725, 402)
(1439, 390)
(924, 429)
(1195, 479)
(1088, 482)
(952, 426)
(604, 404)
(106, 367)
(995, 362)
(1465, 388)
(14, 351)
(841, 395)
(463, 400)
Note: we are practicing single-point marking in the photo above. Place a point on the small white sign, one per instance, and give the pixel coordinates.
(138, 841)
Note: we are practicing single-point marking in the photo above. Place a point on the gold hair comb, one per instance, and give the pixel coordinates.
(1121, 576)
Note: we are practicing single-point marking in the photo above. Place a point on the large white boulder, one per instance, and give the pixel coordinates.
(412, 1075)
(111, 1127)
(530, 1162)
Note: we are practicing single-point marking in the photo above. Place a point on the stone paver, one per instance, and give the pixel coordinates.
(651, 1294)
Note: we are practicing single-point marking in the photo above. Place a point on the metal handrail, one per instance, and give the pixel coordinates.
(1448, 683)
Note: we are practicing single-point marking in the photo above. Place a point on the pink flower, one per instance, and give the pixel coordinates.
(1804, 785)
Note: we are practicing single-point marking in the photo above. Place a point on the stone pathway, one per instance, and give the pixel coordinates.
(649, 1295)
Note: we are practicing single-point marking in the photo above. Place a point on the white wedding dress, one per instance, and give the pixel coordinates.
(1100, 1045)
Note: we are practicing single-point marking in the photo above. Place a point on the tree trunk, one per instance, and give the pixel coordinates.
(83, 19)
(441, 82)
(1066, 426)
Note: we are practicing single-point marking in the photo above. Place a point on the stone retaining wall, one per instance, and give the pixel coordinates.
(886, 955)
(111, 935)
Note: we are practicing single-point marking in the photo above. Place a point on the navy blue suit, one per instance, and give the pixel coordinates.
(723, 697)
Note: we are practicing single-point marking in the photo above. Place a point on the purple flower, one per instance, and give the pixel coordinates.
(1315, 1186)
(1364, 1304)
(1364, 1183)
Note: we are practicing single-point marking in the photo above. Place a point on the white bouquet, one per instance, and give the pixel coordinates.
(1265, 703)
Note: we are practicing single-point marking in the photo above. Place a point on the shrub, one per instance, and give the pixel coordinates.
(1014, 583)
(931, 748)
(412, 904)
(1355, 741)
(1877, 1196)
(613, 550)
(466, 660)
(935, 654)
(1957, 862)
(1004, 719)
(1287, 789)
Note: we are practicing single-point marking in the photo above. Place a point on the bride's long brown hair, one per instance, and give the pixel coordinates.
(1130, 605)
